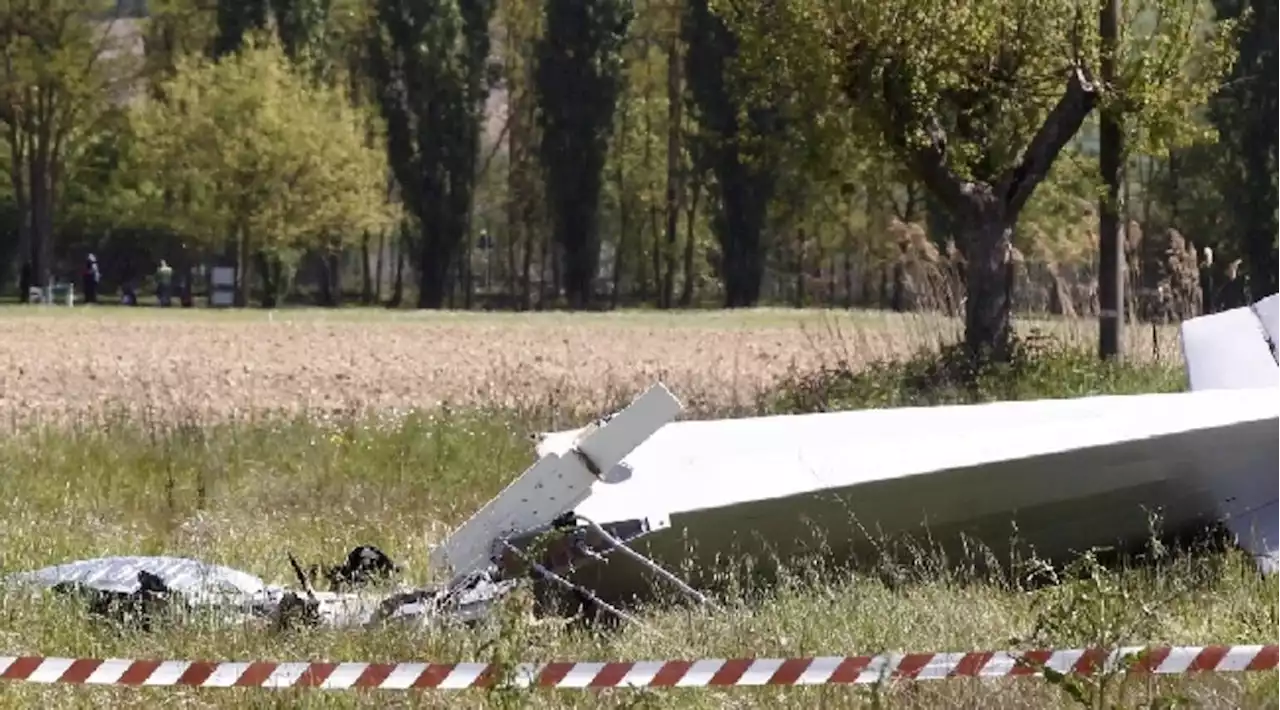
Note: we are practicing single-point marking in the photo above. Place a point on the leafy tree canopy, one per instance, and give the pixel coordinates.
(978, 80)
(246, 147)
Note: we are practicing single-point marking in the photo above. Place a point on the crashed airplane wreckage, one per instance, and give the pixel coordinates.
(606, 512)
(483, 559)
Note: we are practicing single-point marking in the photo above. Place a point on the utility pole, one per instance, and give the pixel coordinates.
(1110, 227)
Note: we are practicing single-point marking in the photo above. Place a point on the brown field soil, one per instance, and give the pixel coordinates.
(57, 362)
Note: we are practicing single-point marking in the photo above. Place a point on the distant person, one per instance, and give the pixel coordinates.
(90, 279)
(164, 282)
(128, 296)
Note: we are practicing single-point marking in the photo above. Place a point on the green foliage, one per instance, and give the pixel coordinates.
(429, 60)
(95, 180)
(236, 20)
(985, 74)
(57, 55)
(246, 148)
(1243, 113)
(1038, 367)
(303, 27)
(740, 135)
(578, 79)
(61, 64)
(175, 28)
(1186, 192)
(1060, 222)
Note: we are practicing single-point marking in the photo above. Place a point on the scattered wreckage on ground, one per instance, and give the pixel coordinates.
(607, 512)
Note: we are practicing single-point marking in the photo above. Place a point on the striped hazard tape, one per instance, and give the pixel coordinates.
(719, 672)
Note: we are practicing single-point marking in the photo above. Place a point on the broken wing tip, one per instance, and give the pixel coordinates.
(659, 386)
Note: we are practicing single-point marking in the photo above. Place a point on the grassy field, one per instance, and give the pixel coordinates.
(240, 484)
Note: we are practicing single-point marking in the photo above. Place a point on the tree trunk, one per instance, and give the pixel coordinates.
(801, 244)
(555, 259)
(690, 246)
(268, 276)
(51, 201)
(244, 269)
(434, 259)
(832, 293)
(17, 154)
(515, 147)
(619, 256)
(624, 241)
(382, 257)
(468, 275)
(326, 281)
(989, 281)
(334, 260)
(40, 197)
(526, 271)
(655, 254)
(531, 222)
(577, 280)
(433, 274)
(1111, 152)
(848, 273)
(543, 260)
(366, 270)
(451, 285)
(576, 252)
(675, 102)
(397, 288)
(510, 277)
(744, 216)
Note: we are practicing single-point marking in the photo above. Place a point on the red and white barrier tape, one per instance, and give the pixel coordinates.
(716, 672)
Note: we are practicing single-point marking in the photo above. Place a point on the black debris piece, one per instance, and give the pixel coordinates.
(364, 565)
(138, 608)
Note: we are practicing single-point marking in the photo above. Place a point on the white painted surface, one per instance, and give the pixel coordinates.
(1228, 350)
(688, 466)
(557, 483)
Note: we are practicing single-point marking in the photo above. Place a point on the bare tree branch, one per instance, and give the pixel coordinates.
(1059, 127)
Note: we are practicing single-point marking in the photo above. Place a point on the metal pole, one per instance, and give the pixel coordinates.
(1111, 240)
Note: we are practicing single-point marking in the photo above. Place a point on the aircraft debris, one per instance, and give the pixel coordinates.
(364, 565)
(480, 560)
(133, 589)
(597, 521)
(139, 607)
(1070, 474)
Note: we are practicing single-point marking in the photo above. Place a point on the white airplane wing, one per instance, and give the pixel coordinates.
(1236, 350)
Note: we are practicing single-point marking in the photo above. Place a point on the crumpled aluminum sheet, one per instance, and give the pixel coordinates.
(186, 576)
(201, 585)
(244, 595)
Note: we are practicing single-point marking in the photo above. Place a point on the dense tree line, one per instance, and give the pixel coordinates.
(592, 153)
